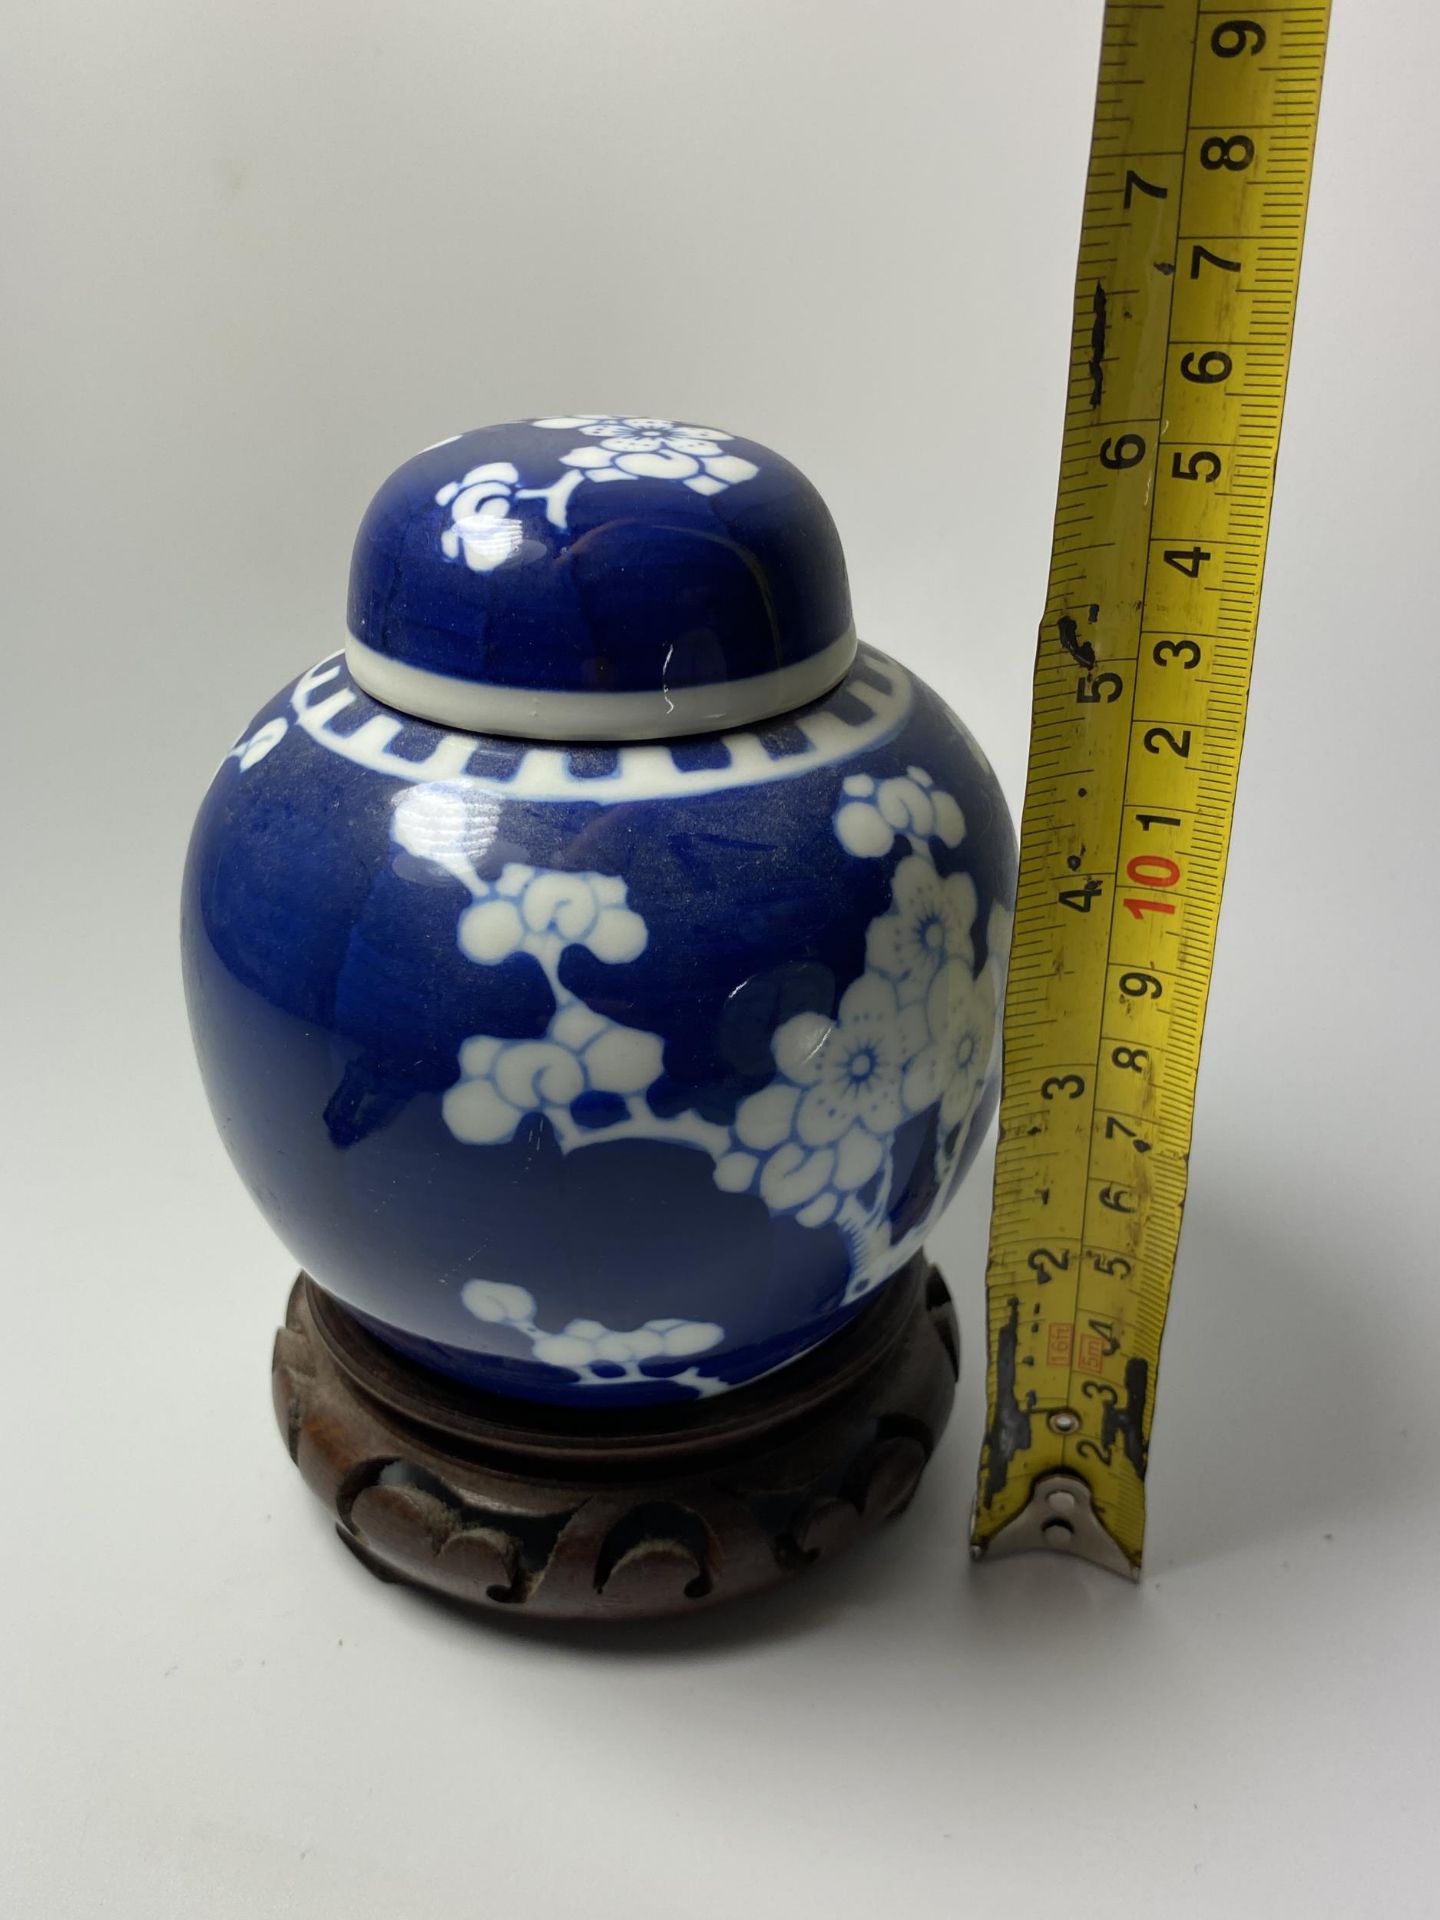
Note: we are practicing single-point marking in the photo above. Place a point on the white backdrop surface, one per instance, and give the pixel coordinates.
(257, 254)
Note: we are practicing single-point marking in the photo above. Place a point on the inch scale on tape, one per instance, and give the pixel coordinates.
(1185, 295)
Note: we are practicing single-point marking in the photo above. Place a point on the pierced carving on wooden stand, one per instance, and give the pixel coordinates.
(625, 1515)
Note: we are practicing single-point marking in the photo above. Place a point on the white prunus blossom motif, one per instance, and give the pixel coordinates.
(823, 1126)
(252, 749)
(927, 928)
(536, 911)
(913, 1033)
(587, 1346)
(916, 1029)
(960, 1010)
(629, 448)
(482, 530)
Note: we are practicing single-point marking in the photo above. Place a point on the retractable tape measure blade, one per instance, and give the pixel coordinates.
(1185, 295)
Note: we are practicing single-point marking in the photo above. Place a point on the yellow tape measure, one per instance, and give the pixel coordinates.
(1184, 305)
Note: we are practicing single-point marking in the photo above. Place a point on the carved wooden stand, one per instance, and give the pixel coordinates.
(618, 1515)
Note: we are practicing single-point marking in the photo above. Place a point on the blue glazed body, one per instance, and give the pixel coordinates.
(604, 1074)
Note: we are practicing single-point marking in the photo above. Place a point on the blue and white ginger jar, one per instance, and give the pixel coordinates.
(595, 965)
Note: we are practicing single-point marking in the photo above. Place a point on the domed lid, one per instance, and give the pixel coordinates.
(598, 577)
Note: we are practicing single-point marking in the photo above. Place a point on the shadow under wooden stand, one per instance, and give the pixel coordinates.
(619, 1515)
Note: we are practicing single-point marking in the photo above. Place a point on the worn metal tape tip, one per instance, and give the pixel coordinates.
(1059, 1517)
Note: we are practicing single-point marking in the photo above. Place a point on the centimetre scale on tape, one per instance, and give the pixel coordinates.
(1185, 294)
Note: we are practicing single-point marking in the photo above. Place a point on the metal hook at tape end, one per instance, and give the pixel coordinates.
(1059, 1517)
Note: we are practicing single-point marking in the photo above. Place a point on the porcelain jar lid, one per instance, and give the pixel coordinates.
(598, 577)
